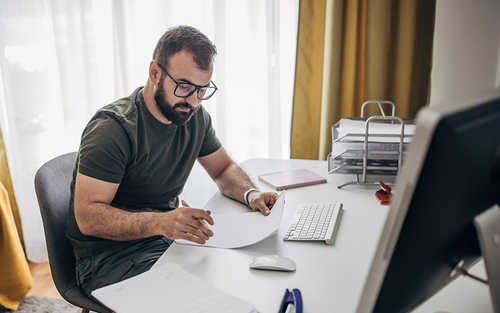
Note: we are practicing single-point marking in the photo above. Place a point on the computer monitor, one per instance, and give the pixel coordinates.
(450, 175)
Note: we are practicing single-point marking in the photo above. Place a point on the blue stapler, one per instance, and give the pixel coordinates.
(292, 302)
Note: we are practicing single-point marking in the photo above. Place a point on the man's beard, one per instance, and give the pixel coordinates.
(169, 111)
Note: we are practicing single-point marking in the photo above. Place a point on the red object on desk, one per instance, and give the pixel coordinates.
(385, 187)
(384, 195)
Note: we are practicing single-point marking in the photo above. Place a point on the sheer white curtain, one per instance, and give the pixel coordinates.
(61, 60)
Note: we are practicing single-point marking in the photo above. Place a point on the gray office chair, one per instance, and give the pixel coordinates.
(52, 186)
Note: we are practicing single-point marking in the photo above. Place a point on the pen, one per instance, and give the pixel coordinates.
(202, 221)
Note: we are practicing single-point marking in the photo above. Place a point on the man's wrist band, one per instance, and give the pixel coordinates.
(245, 195)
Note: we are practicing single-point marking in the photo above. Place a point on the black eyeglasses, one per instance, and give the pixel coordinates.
(184, 89)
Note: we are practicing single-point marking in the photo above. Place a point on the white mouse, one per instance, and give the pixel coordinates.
(272, 262)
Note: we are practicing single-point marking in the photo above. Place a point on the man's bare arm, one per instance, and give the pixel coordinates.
(233, 181)
(96, 217)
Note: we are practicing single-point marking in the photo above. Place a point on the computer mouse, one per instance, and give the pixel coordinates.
(272, 262)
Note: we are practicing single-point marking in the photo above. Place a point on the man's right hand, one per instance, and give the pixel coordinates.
(188, 224)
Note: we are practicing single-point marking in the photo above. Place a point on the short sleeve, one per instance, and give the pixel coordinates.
(210, 142)
(105, 149)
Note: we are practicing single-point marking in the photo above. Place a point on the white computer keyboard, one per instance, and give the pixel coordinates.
(315, 222)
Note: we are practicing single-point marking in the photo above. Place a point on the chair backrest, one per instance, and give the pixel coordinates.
(52, 186)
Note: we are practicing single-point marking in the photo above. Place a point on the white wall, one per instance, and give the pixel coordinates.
(466, 57)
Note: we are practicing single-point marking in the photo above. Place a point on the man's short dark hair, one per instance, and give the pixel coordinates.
(187, 38)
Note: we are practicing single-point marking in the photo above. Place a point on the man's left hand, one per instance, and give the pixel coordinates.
(262, 201)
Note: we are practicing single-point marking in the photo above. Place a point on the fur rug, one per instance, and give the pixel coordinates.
(34, 304)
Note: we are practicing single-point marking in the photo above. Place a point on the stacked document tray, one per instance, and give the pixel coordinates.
(369, 147)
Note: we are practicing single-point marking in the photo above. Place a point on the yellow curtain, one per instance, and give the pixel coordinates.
(14, 269)
(16, 280)
(5, 179)
(352, 51)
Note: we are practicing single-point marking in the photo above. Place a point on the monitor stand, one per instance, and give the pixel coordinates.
(488, 230)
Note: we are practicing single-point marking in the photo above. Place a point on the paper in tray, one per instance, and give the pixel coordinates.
(352, 150)
(354, 130)
(382, 147)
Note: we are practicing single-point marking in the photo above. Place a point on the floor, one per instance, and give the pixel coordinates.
(43, 285)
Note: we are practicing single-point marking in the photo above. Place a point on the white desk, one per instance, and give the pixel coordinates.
(330, 278)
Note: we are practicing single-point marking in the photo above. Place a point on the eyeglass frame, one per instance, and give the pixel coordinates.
(196, 87)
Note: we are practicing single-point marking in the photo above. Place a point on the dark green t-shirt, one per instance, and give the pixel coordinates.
(124, 143)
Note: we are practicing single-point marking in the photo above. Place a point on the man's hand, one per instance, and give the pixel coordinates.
(262, 201)
(189, 224)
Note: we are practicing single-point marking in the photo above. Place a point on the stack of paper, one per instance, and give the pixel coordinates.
(379, 132)
(382, 147)
(169, 288)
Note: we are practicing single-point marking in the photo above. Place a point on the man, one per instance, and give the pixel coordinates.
(134, 159)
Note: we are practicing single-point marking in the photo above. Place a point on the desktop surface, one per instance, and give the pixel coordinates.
(330, 278)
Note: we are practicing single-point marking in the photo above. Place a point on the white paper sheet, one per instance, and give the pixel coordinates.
(239, 230)
(355, 127)
(169, 288)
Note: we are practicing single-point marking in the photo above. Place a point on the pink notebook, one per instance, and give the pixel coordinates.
(291, 179)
